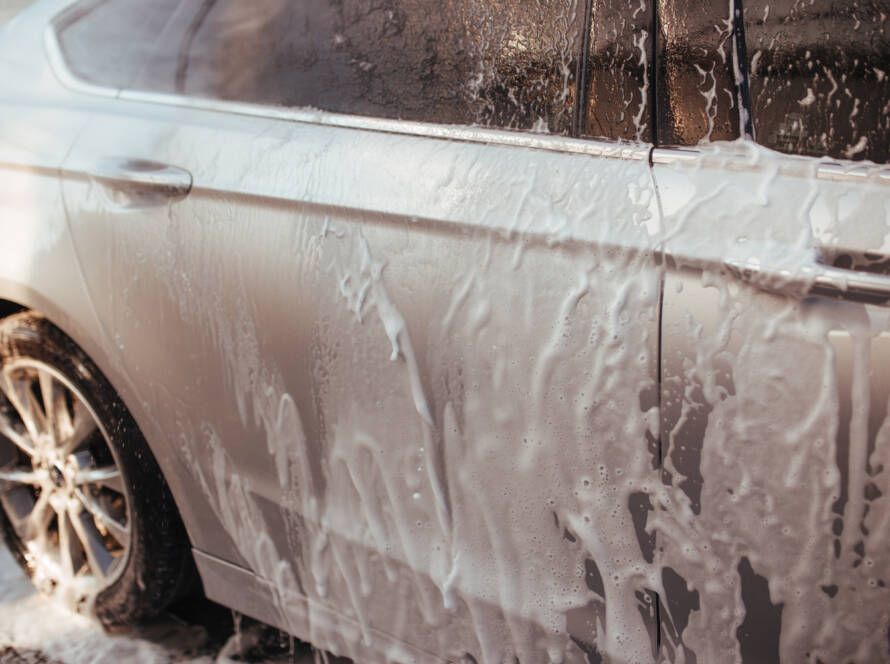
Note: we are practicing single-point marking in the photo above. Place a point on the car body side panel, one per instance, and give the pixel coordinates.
(774, 414)
(409, 380)
(405, 389)
(255, 596)
(35, 249)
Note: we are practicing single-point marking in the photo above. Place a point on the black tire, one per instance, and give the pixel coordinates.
(156, 565)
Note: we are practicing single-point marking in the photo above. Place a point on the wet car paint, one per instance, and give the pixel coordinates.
(420, 418)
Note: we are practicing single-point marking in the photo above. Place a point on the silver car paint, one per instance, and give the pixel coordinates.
(403, 380)
(773, 410)
(361, 377)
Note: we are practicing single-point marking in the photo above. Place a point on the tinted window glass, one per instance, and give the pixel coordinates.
(618, 100)
(108, 42)
(505, 63)
(820, 76)
(695, 79)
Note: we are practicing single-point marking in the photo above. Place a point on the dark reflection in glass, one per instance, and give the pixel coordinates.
(503, 63)
(695, 83)
(820, 76)
(618, 103)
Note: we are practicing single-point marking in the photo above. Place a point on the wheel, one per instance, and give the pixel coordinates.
(85, 509)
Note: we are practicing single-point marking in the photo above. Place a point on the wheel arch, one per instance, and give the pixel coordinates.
(8, 307)
(17, 297)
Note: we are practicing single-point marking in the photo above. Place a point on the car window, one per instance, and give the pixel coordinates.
(820, 76)
(502, 63)
(696, 91)
(506, 63)
(108, 42)
(618, 101)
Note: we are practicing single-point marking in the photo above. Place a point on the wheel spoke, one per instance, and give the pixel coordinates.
(13, 477)
(107, 476)
(19, 440)
(71, 552)
(83, 427)
(33, 524)
(49, 394)
(22, 399)
(98, 557)
(120, 531)
(65, 544)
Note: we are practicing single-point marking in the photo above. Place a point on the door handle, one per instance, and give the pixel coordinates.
(141, 178)
(852, 285)
(812, 279)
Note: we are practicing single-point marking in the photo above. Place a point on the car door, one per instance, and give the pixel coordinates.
(406, 372)
(775, 343)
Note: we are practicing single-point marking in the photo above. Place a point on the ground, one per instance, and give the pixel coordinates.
(34, 630)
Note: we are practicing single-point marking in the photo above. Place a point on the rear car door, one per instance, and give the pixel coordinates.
(406, 372)
(775, 342)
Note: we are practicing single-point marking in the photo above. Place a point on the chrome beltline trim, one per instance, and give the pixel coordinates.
(663, 156)
(858, 172)
(596, 148)
(838, 171)
(405, 127)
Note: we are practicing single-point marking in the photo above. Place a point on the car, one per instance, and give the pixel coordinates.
(478, 331)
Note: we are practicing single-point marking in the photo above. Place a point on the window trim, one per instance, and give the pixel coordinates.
(595, 147)
(826, 169)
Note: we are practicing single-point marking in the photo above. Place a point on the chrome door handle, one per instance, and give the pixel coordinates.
(852, 285)
(815, 280)
(138, 175)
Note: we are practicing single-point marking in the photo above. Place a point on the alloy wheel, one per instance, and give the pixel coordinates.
(63, 490)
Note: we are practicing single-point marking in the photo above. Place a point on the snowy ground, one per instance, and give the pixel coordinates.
(34, 630)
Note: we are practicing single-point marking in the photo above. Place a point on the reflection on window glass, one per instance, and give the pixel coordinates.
(695, 80)
(618, 71)
(504, 63)
(819, 76)
(107, 42)
(507, 63)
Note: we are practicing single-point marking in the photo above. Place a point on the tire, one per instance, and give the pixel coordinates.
(84, 507)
